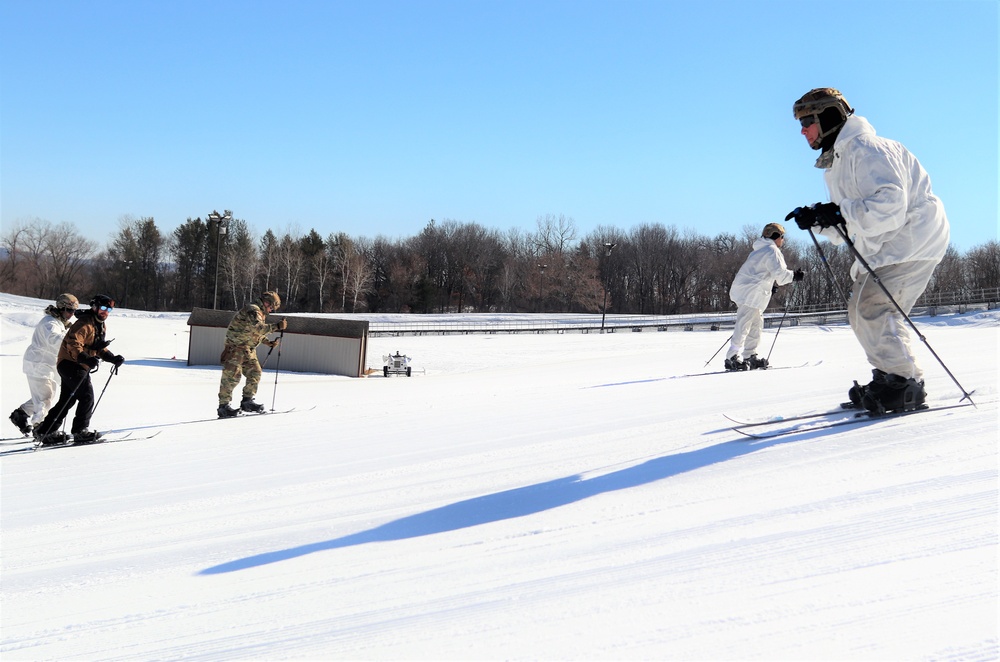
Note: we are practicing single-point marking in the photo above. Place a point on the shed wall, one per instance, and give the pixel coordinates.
(300, 352)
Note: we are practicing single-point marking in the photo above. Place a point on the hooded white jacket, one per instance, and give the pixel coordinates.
(885, 198)
(764, 266)
(40, 357)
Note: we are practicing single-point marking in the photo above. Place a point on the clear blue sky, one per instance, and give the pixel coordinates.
(372, 117)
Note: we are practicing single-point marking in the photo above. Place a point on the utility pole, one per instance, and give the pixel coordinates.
(604, 309)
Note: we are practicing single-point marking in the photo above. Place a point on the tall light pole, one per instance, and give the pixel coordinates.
(221, 223)
(608, 247)
(128, 264)
(541, 287)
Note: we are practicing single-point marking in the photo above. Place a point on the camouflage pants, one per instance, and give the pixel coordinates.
(236, 362)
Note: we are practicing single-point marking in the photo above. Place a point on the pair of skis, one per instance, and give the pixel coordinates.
(703, 374)
(104, 438)
(758, 370)
(124, 434)
(244, 414)
(780, 426)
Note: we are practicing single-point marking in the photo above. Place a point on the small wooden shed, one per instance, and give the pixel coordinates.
(311, 344)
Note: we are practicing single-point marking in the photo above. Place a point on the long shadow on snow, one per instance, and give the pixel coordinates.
(520, 501)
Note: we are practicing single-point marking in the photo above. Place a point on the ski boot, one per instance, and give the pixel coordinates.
(892, 393)
(733, 363)
(225, 411)
(756, 363)
(20, 418)
(51, 439)
(248, 405)
(86, 437)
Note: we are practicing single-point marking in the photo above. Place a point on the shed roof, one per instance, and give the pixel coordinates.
(311, 326)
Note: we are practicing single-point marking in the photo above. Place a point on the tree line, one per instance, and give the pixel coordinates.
(449, 266)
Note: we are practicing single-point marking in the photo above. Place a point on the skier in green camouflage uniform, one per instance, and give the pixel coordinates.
(248, 329)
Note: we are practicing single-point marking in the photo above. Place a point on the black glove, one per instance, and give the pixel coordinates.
(118, 360)
(805, 217)
(827, 214)
(799, 275)
(89, 361)
(281, 324)
(99, 345)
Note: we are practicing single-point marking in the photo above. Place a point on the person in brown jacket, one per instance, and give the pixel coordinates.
(80, 353)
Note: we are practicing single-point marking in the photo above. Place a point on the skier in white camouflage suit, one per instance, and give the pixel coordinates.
(751, 292)
(39, 364)
(247, 329)
(881, 199)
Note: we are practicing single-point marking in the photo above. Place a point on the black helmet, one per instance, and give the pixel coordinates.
(102, 300)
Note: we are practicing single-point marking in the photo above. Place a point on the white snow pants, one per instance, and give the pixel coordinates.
(746, 333)
(883, 333)
(43, 395)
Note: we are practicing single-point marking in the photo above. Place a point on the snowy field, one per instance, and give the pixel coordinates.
(560, 496)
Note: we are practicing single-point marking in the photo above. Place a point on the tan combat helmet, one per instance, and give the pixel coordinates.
(67, 302)
(271, 298)
(773, 231)
(817, 100)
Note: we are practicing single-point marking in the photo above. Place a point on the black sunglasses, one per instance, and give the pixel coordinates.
(808, 120)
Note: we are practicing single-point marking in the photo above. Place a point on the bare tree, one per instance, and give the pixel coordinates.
(949, 275)
(10, 273)
(360, 274)
(983, 264)
(46, 259)
(292, 263)
(324, 264)
(240, 263)
(346, 252)
(268, 251)
(555, 235)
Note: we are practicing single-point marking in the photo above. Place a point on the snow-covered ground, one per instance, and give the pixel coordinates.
(555, 496)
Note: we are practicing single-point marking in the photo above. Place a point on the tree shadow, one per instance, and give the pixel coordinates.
(520, 501)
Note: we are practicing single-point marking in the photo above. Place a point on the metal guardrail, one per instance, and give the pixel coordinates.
(527, 323)
(592, 323)
(988, 295)
(542, 323)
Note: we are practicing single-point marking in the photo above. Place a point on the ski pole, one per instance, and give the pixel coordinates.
(112, 373)
(271, 350)
(768, 359)
(878, 281)
(277, 369)
(829, 271)
(719, 350)
(262, 365)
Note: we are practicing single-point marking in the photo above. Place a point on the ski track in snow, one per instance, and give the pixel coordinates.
(500, 507)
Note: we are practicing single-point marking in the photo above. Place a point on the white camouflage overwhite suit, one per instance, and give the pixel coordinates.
(898, 226)
(39, 364)
(751, 292)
